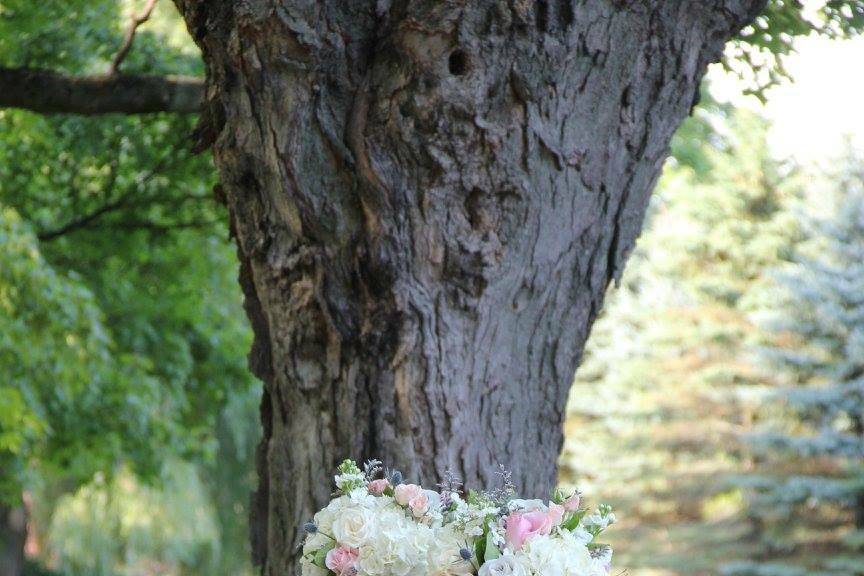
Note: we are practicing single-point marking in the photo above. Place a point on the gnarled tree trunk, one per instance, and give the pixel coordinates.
(430, 198)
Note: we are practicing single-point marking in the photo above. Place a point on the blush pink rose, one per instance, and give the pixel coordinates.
(520, 526)
(555, 515)
(342, 560)
(419, 504)
(571, 504)
(377, 487)
(405, 492)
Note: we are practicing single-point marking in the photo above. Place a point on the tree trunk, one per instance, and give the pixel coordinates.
(13, 535)
(430, 198)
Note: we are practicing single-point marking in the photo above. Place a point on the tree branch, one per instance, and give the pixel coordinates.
(129, 37)
(85, 220)
(124, 200)
(48, 92)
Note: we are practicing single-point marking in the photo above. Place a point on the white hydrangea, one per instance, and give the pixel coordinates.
(579, 534)
(444, 558)
(556, 556)
(398, 547)
(601, 561)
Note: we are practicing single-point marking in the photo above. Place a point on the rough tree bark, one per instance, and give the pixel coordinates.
(430, 198)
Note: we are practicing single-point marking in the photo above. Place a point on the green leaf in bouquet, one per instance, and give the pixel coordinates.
(321, 555)
(573, 521)
(480, 550)
(490, 551)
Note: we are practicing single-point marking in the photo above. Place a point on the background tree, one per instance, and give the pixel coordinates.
(813, 471)
(670, 373)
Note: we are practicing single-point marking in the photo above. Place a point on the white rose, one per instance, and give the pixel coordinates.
(503, 566)
(353, 526)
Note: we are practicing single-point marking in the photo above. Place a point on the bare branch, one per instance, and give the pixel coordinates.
(129, 37)
(124, 200)
(85, 220)
(48, 92)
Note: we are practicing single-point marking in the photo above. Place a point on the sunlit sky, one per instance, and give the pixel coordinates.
(813, 115)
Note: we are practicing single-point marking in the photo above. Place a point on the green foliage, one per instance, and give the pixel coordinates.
(132, 225)
(81, 36)
(758, 54)
(66, 34)
(122, 336)
(698, 138)
(120, 527)
(82, 402)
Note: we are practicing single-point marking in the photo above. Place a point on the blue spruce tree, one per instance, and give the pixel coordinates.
(816, 445)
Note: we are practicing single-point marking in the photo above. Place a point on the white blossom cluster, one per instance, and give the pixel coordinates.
(384, 527)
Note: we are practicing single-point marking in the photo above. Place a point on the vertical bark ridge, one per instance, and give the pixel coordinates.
(430, 199)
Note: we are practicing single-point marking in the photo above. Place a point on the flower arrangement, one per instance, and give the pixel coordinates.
(379, 525)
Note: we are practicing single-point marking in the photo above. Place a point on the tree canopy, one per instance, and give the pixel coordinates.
(122, 335)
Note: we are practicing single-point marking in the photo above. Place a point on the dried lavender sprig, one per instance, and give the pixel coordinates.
(507, 489)
(449, 484)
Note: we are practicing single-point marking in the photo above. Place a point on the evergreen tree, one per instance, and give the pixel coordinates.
(815, 446)
(670, 367)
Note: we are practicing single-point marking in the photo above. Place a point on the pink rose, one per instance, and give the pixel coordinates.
(520, 526)
(571, 504)
(555, 515)
(405, 492)
(419, 504)
(377, 487)
(342, 560)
